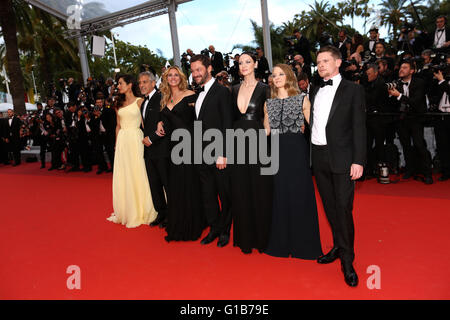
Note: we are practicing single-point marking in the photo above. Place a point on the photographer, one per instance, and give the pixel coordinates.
(300, 45)
(342, 43)
(442, 125)
(262, 71)
(85, 144)
(216, 60)
(377, 101)
(51, 131)
(410, 94)
(234, 71)
(71, 119)
(97, 137)
(306, 68)
(60, 141)
(222, 78)
(384, 71)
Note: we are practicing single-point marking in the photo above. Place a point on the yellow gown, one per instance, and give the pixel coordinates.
(132, 198)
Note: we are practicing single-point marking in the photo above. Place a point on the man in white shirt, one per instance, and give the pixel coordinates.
(338, 138)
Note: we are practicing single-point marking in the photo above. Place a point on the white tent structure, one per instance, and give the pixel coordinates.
(5, 106)
(85, 17)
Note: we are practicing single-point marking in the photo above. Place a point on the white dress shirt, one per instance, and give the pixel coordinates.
(439, 38)
(202, 95)
(10, 121)
(322, 107)
(405, 90)
(146, 102)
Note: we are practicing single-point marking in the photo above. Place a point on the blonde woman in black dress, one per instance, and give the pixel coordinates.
(295, 227)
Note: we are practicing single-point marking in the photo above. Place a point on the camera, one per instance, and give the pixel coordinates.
(205, 52)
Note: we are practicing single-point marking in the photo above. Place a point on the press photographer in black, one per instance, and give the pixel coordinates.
(442, 124)
(377, 101)
(410, 96)
(108, 136)
(71, 118)
(301, 46)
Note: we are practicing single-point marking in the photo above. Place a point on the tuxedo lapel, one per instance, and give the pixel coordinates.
(208, 97)
(337, 98)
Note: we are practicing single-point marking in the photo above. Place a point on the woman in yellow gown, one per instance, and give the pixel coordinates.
(132, 199)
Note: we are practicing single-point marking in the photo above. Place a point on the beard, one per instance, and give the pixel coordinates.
(202, 80)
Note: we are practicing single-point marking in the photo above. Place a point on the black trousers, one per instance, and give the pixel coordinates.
(3, 151)
(214, 184)
(376, 132)
(99, 156)
(442, 134)
(109, 142)
(412, 129)
(337, 193)
(158, 178)
(13, 146)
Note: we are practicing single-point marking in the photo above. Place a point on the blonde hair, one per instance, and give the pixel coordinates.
(291, 84)
(165, 88)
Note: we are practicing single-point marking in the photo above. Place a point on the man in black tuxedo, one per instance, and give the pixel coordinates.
(108, 136)
(411, 97)
(374, 37)
(262, 72)
(12, 135)
(216, 61)
(341, 44)
(156, 153)
(214, 109)
(338, 139)
(440, 38)
(302, 46)
(3, 145)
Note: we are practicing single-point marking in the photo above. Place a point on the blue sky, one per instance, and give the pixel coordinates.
(222, 23)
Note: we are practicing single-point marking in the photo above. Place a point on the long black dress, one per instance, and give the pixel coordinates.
(295, 226)
(185, 221)
(251, 192)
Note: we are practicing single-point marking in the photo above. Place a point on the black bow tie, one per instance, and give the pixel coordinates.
(440, 30)
(326, 83)
(405, 84)
(200, 89)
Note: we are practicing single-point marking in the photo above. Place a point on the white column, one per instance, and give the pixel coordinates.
(83, 59)
(174, 33)
(266, 33)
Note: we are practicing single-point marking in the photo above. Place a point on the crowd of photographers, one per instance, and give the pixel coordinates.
(407, 89)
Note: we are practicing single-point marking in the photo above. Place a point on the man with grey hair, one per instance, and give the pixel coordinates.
(156, 152)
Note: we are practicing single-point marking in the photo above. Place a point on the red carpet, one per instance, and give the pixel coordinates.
(52, 220)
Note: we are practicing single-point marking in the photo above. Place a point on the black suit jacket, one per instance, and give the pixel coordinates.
(12, 132)
(417, 101)
(377, 97)
(346, 127)
(216, 111)
(432, 35)
(302, 47)
(217, 62)
(152, 116)
(343, 48)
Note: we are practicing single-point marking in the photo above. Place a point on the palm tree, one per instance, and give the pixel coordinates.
(9, 31)
(393, 13)
(322, 17)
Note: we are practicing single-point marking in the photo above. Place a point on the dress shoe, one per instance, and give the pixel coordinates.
(428, 180)
(167, 238)
(223, 240)
(100, 171)
(350, 276)
(209, 238)
(51, 168)
(246, 251)
(74, 169)
(329, 257)
(109, 170)
(407, 175)
(159, 219)
(87, 169)
(444, 177)
(42, 166)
